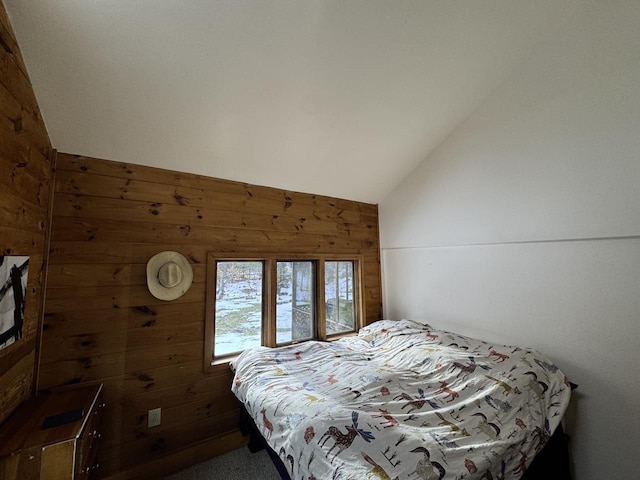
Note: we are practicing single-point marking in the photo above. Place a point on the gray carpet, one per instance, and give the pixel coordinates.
(238, 464)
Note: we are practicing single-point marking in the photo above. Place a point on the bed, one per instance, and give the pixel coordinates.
(402, 400)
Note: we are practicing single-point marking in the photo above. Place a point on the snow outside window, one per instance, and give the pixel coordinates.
(238, 312)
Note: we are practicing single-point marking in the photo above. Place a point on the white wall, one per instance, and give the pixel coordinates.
(523, 227)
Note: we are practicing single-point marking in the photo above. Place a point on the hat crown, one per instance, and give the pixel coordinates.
(169, 275)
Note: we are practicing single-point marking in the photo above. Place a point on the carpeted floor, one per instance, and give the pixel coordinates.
(238, 464)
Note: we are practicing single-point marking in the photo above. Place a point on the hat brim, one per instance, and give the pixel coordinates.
(156, 288)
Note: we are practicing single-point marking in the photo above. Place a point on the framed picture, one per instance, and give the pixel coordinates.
(14, 271)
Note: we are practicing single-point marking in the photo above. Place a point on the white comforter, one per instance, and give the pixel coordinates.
(402, 400)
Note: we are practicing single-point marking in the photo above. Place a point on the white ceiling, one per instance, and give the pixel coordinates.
(341, 97)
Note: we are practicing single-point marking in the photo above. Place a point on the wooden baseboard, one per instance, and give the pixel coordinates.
(184, 458)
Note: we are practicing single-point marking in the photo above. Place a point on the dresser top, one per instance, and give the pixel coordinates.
(23, 429)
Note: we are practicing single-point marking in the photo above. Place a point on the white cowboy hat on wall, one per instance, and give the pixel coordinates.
(169, 275)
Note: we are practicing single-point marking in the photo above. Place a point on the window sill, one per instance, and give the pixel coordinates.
(338, 336)
(220, 364)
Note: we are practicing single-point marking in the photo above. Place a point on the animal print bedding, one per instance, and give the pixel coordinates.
(402, 400)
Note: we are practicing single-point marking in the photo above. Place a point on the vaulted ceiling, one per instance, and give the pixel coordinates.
(336, 97)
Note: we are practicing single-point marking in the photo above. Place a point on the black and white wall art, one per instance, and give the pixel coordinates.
(13, 289)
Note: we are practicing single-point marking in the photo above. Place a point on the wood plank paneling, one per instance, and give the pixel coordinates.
(102, 324)
(155, 212)
(26, 177)
(152, 446)
(25, 183)
(16, 382)
(204, 387)
(191, 455)
(216, 238)
(97, 252)
(103, 275)
(131, 172)
(65, 299)
(74, 183)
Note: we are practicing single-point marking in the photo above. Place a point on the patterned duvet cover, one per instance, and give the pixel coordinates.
(402, 401)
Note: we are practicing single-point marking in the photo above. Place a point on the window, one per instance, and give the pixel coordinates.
(238, 307)
(274, 301)
(338, 294)
(295, 301)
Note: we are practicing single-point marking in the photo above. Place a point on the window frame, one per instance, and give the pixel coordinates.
(315, 328)
(269, 284)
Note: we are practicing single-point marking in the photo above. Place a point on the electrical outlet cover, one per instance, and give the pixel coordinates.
(154, 417)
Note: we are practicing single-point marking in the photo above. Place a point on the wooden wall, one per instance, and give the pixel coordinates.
(102, 324)
(25, 178)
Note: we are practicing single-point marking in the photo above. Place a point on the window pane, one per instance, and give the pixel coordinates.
(238, 313)
(295, 301)
(338, 294)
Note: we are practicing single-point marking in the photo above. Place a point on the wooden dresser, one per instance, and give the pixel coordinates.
(66, 450)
